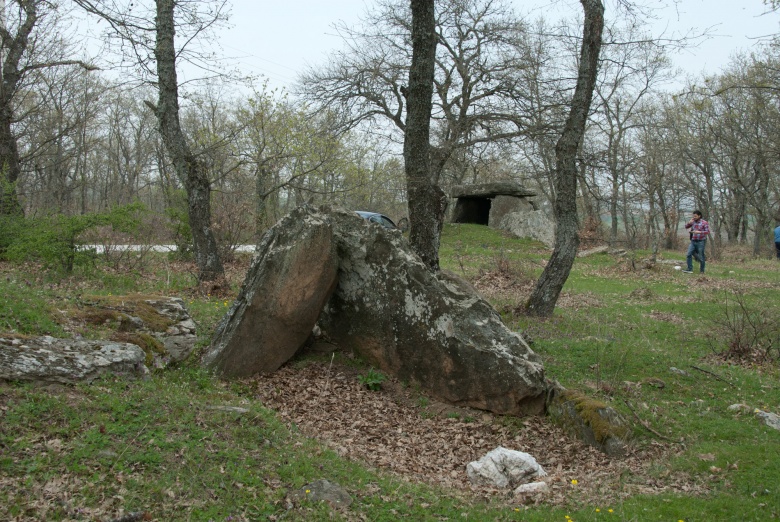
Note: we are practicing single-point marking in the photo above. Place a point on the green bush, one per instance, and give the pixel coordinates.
(56, 241)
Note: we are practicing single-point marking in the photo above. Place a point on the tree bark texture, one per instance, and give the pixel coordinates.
(13, 48)
(427, 201)
(187, 166)
(548, 287)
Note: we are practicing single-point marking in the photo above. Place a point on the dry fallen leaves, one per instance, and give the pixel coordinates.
(390, 430)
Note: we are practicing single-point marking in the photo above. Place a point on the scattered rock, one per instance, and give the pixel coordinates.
(323, 491)
(67, 361)
(591, 421)
(231, 409)
(679, 371)
(504, 468)
(593, 251)
(741, 408)
(655, 382)
(770, 419)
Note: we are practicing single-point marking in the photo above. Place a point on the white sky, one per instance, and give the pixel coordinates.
(278, 39)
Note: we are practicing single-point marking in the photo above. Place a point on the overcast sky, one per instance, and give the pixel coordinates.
(278, 39)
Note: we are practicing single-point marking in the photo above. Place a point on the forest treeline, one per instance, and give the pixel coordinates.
(76, 140)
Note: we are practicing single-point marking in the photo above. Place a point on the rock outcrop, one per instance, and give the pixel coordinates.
(426, 328)
(47, 360)
(291, 277)
(160, 325)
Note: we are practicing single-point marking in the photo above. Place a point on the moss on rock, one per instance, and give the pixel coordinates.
(591, 420)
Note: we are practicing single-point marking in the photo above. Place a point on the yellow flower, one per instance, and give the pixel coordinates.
(598, 510)
(610, 511)
(308, 491)
(574, 481)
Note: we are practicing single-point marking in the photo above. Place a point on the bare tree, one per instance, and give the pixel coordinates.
(148, 38)
(545, 294)
(29, 42)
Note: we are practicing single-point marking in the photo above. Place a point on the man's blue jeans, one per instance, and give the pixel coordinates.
(698, 247)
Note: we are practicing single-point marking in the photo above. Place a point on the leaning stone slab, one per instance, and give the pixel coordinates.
(426, 328)
(504, 468)
(67, 361)
(534, 224)
(291, 277)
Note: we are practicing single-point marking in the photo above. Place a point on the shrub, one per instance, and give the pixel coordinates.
(751, 334)
(58, 241)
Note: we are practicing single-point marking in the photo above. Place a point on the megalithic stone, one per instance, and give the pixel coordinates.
(292, 276)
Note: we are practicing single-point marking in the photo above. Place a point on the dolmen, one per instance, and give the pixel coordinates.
(364, 288)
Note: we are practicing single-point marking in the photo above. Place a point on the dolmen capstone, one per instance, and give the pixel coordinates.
(368, 292)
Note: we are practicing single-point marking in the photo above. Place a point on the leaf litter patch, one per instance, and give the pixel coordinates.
(400, 431)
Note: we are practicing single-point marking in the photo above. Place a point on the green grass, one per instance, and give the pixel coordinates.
(77, 453)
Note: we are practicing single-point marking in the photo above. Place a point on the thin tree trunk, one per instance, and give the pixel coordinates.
(548, 287)
(427, 202)
(189, 170)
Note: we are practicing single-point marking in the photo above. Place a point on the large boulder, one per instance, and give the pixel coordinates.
(289, 281)
(426, 328)
(533, 224)
(47, 360)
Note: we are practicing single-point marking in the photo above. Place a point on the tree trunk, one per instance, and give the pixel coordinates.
(548, 287)
(427, 202)
(189, 170)
(13, 48)
(9, 164)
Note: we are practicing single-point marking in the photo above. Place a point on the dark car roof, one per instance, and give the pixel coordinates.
(379, 218)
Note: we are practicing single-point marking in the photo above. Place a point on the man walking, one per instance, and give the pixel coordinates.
(777, 241)
(700, 229)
